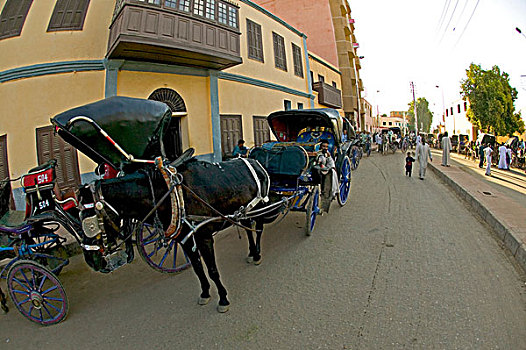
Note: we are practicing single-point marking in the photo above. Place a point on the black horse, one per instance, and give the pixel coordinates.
(226, 187)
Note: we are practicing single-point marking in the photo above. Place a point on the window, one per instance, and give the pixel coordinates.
(280, 59)
(231, 132)
(390, 123)
(321, 78)
(170, 3)
(232, 17)
(154, 2)
(199, 7)
(311, 78)
(383, 123)
(296, 56)
(334, 85)
(451, 110)
(13, 17)
(184, 5)
(465, 106)
(68, 15)
(287, 105)
(210, 9)
(255, 43)
(222, 14)
(458, 108)
(300, 105)
(447, 112)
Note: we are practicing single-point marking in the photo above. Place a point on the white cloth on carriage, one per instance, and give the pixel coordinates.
(328, 163)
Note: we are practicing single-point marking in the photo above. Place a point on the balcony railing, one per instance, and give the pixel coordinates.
(198, 33)
(328, 95)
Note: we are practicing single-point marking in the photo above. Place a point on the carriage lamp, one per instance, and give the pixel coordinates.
(99, 206)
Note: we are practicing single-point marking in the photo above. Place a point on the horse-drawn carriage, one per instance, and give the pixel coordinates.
(292, 160)
(170, 208)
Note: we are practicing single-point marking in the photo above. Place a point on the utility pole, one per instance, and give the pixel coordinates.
(414, 107)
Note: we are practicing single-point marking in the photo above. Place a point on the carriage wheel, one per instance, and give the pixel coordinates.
(313, 209)
(161, 253)
(345, 181)
(37, 293)
(355, 161)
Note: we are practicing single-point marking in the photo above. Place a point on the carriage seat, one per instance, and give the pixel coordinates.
(314, 136)
(290, 160)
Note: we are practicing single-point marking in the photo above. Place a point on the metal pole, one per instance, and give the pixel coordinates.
(414, 108)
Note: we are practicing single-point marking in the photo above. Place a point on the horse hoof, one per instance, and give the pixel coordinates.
(258, 262)
(223, 308)
(203, 301)
(249, 260)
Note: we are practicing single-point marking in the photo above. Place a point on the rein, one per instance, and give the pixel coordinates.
(217, 212)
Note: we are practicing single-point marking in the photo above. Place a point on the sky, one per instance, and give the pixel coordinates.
(432, 43)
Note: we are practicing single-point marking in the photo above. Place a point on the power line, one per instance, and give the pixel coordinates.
(467, 24)
(444, 10)
(447, 26)
(461, 13)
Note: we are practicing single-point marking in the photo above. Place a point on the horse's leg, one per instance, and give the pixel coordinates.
(205, 244)
(251, 244)
(197, 265)
(257, 252)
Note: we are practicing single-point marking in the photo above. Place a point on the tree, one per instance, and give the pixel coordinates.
(491, 101)
(424, 115)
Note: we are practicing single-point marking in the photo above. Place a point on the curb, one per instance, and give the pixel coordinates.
(506, 234)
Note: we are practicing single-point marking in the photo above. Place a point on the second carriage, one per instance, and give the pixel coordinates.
(291, 160)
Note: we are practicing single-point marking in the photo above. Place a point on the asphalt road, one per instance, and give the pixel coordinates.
(403, 265)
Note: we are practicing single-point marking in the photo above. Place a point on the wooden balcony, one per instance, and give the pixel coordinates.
(173, 32)
(328, 95)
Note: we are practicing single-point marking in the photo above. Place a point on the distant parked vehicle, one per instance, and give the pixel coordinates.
(484, 138)
(463, 143)
(454, 142)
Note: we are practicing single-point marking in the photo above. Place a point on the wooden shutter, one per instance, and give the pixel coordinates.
(13, 17)
(261, 130)
(4, 168)
(231, 132)
(68, 15)
(51, 146)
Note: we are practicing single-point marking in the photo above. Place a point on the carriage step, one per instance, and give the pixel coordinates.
(116, 260)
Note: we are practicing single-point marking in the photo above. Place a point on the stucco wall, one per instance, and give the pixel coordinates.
(30, 103)
(196, 127)
(35, 45)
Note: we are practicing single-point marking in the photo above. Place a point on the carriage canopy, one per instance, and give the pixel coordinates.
(137, 125)
(287, 125)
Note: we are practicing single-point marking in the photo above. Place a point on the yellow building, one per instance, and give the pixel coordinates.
(221, 66)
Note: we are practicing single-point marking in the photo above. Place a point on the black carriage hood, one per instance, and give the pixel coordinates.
(137, 125)
(286, 125)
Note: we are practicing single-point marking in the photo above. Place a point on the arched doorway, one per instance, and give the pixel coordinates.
(172, 141)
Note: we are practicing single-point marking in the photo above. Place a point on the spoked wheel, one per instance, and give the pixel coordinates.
(313, 209)
(344, 181)
(37, 293)
(355, 160)
(161, 253)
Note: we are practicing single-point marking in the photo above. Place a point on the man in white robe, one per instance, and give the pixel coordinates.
(422, 153)
(446, 149)
(502, 157)
(487, 153)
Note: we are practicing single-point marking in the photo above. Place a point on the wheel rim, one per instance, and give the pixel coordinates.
(345, 181)
(37, 293)
(315, 209)
(160, 252)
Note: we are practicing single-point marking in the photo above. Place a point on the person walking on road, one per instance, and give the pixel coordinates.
(446, 149)
(422, 153)
(508, 156)
(409, 164)
(502, 157)
(481, 155)
(487, 153)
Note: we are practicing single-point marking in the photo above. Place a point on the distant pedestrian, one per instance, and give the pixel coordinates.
(446, 149)
(481, 154)
(422, 153)
(379, 142)
(487, 153)
(508, 156)
(409, 164)
(502, 157)
(240, 150)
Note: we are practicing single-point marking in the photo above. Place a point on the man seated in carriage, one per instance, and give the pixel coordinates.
(327, 165)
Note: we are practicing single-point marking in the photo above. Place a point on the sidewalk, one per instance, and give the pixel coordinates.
(500, 199)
